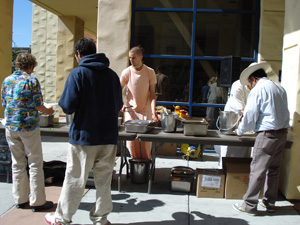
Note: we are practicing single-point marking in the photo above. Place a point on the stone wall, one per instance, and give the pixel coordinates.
(44, 39)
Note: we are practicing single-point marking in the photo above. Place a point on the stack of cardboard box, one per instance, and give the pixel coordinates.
(231, 181)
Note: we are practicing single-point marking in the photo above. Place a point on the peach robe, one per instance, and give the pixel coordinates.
(138, 95)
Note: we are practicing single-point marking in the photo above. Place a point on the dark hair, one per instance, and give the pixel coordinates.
(24, 61)
(85, 46)
(161, 69)
(259, 74)
(137, 49)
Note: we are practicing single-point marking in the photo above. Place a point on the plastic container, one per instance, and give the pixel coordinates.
(139, 170)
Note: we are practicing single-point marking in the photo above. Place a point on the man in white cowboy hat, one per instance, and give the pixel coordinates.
(267, 114)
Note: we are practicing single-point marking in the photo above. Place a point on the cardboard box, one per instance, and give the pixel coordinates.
(167, 149)
(237, 177)
(210, 183)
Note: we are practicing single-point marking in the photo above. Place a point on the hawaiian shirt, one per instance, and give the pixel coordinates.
(20, 94)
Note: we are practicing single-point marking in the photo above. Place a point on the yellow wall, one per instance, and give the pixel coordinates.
(290, 179)
(6, 12)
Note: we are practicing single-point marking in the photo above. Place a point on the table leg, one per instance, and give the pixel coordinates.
(201, 152)
(123, 163)
(152, 166)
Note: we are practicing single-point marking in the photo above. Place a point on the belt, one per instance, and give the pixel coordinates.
(283, 130)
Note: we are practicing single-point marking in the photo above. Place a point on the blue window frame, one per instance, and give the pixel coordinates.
(191, 37)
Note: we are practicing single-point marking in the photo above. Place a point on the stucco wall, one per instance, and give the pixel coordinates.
(44, 38)
(271, 35)
(290, 179)
(113, 37)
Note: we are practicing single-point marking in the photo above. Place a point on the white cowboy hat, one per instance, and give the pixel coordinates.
(251, 69)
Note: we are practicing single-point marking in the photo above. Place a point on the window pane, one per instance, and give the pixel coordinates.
(178, 73)
(168, 33)
(225, 34)
(227, 4)
(205, 73)
(164, 3)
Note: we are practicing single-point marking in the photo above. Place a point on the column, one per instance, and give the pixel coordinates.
(70, 29)
(44, 38)
(6, 12)
(271, 35)
(113, 32)
(290, 179)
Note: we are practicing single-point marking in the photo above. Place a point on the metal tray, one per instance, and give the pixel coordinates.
(139, 126)
(195, 127)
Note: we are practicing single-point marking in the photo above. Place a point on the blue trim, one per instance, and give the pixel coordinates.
(192, 104)
(226, 11)
(192, 57)
(197, 10)
(168, 56)
(165, 9)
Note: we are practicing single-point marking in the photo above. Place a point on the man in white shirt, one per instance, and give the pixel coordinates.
(267, 114)
(236, 103)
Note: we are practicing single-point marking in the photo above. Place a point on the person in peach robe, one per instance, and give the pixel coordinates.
(140, 98)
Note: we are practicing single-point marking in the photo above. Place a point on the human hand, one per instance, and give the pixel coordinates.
(235, 132)
(155, 117)
(123, 108)
(50, 111)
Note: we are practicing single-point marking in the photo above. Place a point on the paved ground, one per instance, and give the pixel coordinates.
(134, 206)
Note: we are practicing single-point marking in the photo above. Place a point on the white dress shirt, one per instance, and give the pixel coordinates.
(237, 98)
(266, 108)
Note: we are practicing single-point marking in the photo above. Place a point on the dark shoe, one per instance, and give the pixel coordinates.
(268, 206)
(22, 206)
(47, 205)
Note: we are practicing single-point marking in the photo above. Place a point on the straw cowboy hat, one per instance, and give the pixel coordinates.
(251, 69)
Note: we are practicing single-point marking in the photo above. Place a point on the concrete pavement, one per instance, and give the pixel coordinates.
(134, 206)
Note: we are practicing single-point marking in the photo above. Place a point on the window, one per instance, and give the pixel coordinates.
(189, 38)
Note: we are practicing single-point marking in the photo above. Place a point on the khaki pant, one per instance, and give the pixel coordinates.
(264, 169)
(80, 160)
(28, 144)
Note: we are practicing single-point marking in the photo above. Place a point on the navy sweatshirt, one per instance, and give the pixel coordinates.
(93, 92)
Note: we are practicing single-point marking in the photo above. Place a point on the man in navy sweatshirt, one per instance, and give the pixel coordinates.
(93, 93)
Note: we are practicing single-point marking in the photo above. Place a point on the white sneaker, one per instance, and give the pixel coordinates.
(238, 207)
(50, 219)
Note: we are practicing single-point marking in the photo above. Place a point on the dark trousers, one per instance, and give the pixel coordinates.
(264, 169)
